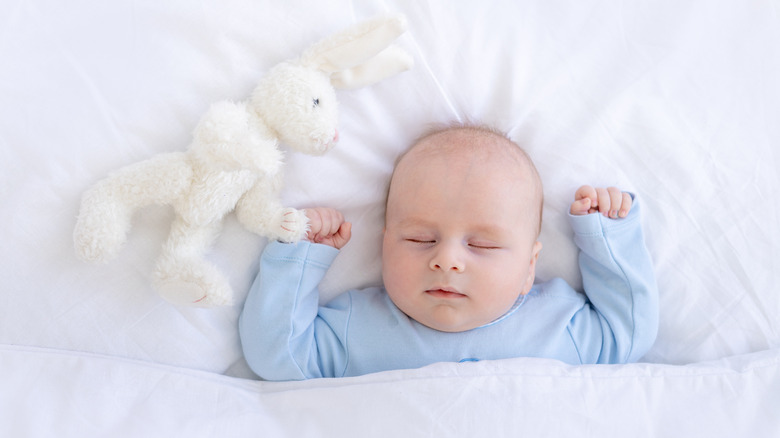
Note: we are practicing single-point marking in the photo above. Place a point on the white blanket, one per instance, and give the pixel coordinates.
(101, 396)
(677, 101)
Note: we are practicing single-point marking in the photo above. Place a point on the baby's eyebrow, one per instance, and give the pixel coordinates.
(489, 230)
(416, 222)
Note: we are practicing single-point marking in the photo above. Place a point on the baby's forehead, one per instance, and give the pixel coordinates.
(470, 144)
(490, 154)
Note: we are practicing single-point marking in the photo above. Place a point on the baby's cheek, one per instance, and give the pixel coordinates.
(394, 262)
(396, 292)
(395, 281)
(391, 276)
(505, 290)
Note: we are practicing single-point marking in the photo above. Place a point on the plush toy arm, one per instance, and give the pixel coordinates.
(358, 46)
(260, 211)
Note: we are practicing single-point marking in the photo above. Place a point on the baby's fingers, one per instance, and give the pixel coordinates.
(585, 197)
(625, 206)
(613, 197)
(587, 192)
(331, 221)
(342, 236)
(339, 238)
(315, 222)
(619, 203)
(611, 202)
(323, 222)
(614, 203)
(580, 207)
(604, 201)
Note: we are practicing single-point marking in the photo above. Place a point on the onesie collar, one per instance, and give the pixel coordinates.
(519, 302)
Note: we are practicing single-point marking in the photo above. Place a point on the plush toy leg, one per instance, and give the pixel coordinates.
(107, 208)
(102, 225)
(182, 276)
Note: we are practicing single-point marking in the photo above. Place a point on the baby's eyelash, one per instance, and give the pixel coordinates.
(483, 246)
(432, 242)
(420, 241)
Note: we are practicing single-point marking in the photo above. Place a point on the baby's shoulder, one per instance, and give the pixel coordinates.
(555, 289)
(368, 298)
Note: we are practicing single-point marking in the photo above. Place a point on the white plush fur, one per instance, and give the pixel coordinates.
(234, 162)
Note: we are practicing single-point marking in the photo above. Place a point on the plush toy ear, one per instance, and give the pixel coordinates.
(355, 52)
(391, 61)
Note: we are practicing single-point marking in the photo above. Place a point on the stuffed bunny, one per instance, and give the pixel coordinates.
(234, 162)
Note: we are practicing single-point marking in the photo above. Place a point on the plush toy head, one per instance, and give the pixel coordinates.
(299, 105)
(297, 99)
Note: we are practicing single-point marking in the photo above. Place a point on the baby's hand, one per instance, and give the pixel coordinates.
(327, 226)
(610, 202)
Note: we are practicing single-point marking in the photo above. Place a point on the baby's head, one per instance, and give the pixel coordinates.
(461, 228)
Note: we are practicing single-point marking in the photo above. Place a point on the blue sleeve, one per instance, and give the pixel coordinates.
(621, 323)
(282, 333)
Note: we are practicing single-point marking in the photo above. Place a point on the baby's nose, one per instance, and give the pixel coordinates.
(447, 259)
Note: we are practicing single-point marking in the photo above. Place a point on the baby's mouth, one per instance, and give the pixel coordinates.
(447, 293)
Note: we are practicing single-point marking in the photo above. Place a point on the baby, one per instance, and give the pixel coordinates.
(459, 257)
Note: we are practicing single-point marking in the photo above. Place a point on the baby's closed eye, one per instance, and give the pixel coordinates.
(484, 245)
(421, 240)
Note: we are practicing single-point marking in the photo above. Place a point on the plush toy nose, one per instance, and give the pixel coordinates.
(336, 137)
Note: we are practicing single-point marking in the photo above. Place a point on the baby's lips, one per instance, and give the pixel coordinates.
(445, 291)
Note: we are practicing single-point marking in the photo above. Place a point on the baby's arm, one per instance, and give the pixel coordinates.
(621, 322)
(283, 335)
(328, 227)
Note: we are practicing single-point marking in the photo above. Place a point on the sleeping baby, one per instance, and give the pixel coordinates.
(458, 264)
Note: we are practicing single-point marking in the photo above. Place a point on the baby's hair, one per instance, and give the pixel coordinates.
(441, 128)
(481, 129)
(438, 128)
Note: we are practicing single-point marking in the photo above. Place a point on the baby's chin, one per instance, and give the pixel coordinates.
(443, 318)
(452, 328)
(449, 323)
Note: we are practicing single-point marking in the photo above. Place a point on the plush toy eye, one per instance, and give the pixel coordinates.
(316, 102)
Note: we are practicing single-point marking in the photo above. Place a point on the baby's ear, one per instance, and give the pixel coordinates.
(535, 252)
(529, 281)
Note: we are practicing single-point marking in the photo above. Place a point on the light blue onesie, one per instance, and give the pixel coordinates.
(286, 335)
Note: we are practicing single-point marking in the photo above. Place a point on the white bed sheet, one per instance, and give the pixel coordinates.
(520, 397)
(677, 101)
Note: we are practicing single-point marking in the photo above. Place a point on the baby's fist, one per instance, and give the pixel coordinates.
(611, 202)
(328, 227)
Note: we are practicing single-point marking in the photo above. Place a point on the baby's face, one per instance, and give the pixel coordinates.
(460, 238)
